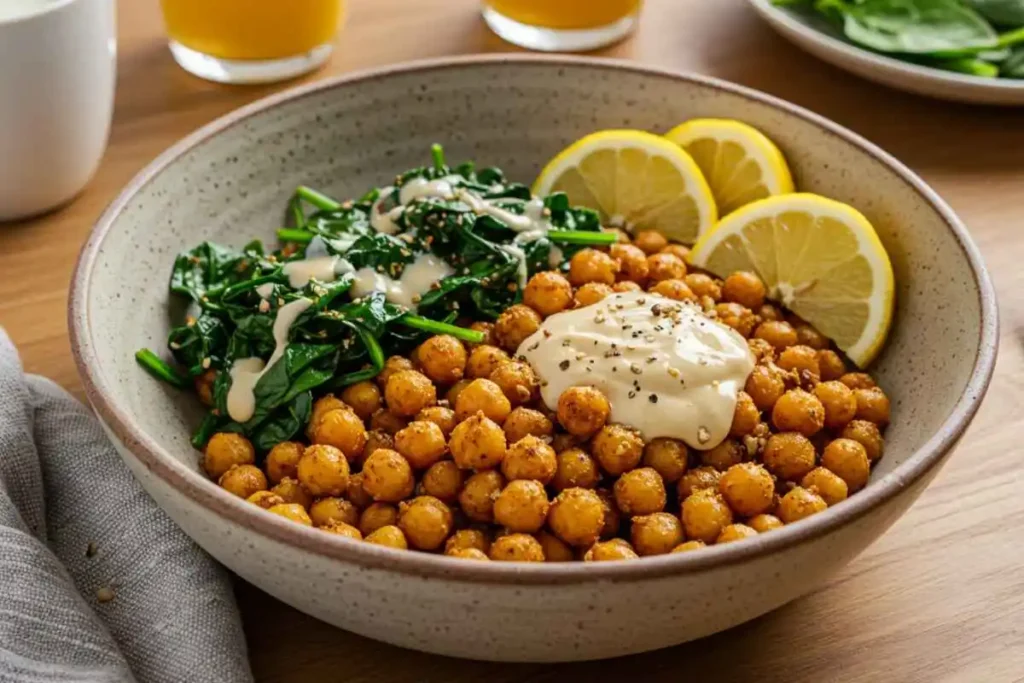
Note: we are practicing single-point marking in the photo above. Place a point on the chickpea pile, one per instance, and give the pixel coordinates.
(452, 450)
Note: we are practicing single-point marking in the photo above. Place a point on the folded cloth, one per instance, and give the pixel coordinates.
(96, 582)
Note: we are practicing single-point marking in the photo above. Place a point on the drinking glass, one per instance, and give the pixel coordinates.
(562, 25)
(251, 41)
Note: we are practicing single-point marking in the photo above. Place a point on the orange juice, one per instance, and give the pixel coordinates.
(565, 14)
(252, 29)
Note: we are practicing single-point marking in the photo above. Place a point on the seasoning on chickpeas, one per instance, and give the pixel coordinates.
(617, 448)
(632, 262)
(522, 506)
(389, 536)
(333, 509)
(688, 546)
(625, 286)
(529, 458)
(523, 422)
(421, 443)
(696, 479)
(323, 470)
(651, 242)
(789, 455)
(867, 435)
(343, 430)
(243, 480)
(745, 289)
(838, 401)
(577, 516)
(292, 511)
(591, 293)
(615, 549)
(857, 380)
(739, 318)
(848, 460)
(778, 333)
(799, 411)
(468, 554)
(293, 492)
(656, 534)
(764, 522)
(765, 387)
(746, 417)
(443, 358)
(363, 397)
(517, 548)
(408, 392)
(467, 538)
(872, 405)
(482, 396)
(393, 365)
(355, 492)
(800, 359)
(555, 550)
(798, 504)
(479, 493)
(704, 285)
(514, 325)
(282, 460)
(831, 365)
(548, 293)
(477, 443)
(747, 488)
(591, 265)
(386, 421)
(705, 514)
(376, 516)
(322, 406)
(826, 484)
(342, 529)
(735, 532)
(425, 521)
(668, 457)
(674, 289)
(724, 455)
(582, 410)
(225, 449)
(442, 416)
(665, 267)
(483, 360)
(517, 381)
(640, 492)
(387, 476)
(265, 499)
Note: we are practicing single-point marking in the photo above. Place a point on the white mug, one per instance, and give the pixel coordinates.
(57, 73)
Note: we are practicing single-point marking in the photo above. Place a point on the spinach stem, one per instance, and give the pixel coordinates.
(970, 66)
(1011, 38)
(160, 369)
(298, 215)
(320, 201)
(298, 236)
(427, 325)
(582, 237)
(437, 153)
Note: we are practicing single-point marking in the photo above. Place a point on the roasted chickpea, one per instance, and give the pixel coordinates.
(577, 516)
(832, 366)
(575, 468)
(867, 435)
(746, 417)
(421, 443)
(292, 511)
(789, 455)
(483, 360)
(482, 396)
(705, 514)
(591, 265)
(467, 538)
(225, 449)
(328, 510)
(808, 336)
(514, 325)
(764, 522)
(282, 460)
(617, 448)
(443, 358)
(530, 458)
(826, 484)
(554, 549)
(799, 411)
(321, 407)
(612, 517)
(614, 549)
(632, 262)
(640, 492)
(393, 366)
(390, 536)
(735, 532)
(265, 499)
(801, 359)
(526, 422)
(376, 516)
(484, 328)
(293, 492)
(677, 250)
(591, 293)
(765, 387)
(425, 521)
(387, 476)
(665, 267)
(387, 422)
(739, 318)
(626, 286)
(356, 494)
(769, 312)
(582, 410)
(778, 333)
(688, 546)
(479, 493)
(747, 488)
(408, 392)
(674, 289)
(517, 381)
(203, 385)
(799, 503)
(342, 529)
(705, 285)
(243, 480)
(651, 242)
(517, 548)
(858, 380)
(839, 403)
(849, 461)
(745, 289)
(656, 534)
(375, 439)
(667, 457)
(323, 470)
(697, 479)
(343, 430)
(468, 554)
(442, 416)
(522, 506)
(443, 480)
(548, 293)
(762, 350)
(363, 397)
(477, 443)
(724, 455)
(872, 405)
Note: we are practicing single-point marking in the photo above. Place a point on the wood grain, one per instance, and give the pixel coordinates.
(939, 598)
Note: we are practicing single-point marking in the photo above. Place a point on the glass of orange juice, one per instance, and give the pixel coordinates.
(251, 41)
(562, 25)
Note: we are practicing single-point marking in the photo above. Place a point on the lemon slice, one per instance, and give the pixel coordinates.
(740, 164)
(820, 258)
(635, 180)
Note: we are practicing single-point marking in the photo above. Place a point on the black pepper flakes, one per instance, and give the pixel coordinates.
(564, 365)
(653, 398)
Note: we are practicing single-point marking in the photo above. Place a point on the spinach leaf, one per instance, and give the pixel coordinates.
(200, 345)
(942, 28)
(283, 424)
(1013, 66)
(1007, 13)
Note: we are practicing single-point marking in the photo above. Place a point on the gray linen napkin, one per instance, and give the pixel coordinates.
(96, 582)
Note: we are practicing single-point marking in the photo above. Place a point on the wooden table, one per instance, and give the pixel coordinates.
(939, 598)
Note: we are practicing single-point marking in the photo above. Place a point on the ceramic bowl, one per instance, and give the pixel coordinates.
(230, 180)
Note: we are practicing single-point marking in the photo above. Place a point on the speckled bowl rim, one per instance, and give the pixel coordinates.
(232, 510)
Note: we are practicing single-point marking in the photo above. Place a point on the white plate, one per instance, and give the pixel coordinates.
(822, 40)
